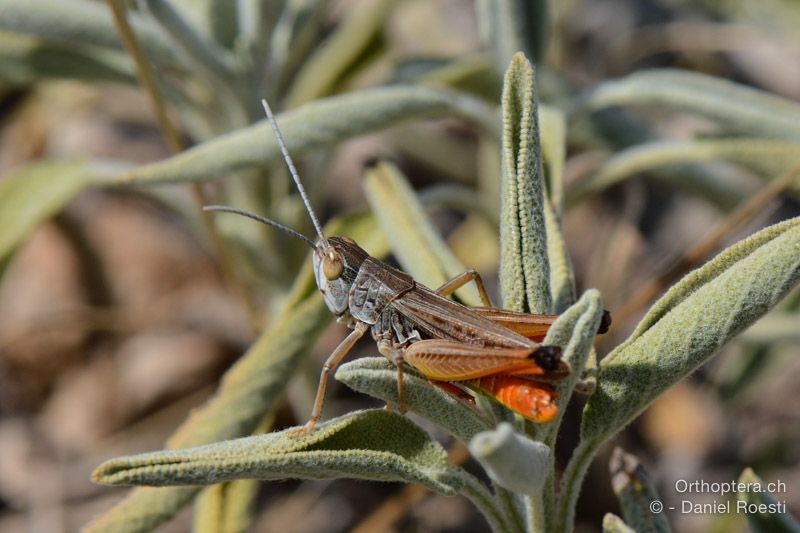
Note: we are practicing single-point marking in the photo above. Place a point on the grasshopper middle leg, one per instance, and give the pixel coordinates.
(462, 279)
(395, 355)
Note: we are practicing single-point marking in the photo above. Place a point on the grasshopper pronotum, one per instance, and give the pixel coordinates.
(489, 350)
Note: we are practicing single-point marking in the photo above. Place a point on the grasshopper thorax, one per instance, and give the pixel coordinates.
(337, 261)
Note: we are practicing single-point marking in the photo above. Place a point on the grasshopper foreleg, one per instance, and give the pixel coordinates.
(462, 279)
(330, 365)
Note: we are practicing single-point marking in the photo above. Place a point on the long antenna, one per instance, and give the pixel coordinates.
(263, 220)
(292, 170)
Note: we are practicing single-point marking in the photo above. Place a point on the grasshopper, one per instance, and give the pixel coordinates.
(488, 350)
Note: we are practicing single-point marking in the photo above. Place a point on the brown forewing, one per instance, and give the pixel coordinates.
(441, 318)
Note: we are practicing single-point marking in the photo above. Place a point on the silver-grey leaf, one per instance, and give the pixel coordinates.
(691, 322)
(378, 445)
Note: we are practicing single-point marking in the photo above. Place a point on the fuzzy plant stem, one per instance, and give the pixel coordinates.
(571, 485)
(480, 496)
(535, 516)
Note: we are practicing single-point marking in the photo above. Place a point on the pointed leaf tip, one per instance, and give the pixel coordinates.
(524, 265)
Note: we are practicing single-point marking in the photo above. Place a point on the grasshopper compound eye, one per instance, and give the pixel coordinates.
(332, 266)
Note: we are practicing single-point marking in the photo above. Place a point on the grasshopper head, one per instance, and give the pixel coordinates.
(336, 264)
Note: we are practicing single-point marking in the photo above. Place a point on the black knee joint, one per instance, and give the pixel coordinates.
(547, 357)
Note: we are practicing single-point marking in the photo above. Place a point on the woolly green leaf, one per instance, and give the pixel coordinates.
(320, 72)
(690, 323)
(498, 29)
(511, 26)
(414, 239)
(25, 59)
(766, 516)
(635, 492)
(378, 445)
(222, 17)
(511, 459)
(574, 330)
(499, 518)
(524, 268)
(226, 507)
(33, 193)
(554, 145)
(143, 510)
(314, 125)
(774, 328)
(615, 131)
(425, 145)
(253, 386)
(250, 388)
(82, 22)
(614, 524)
(474, 74)
(562, 278)
(204, 52)
(459, 198)
(255, 383)
(554, 152)
(736, 107)
(766, 157)
(714, 269)
(296, 32)
(377, 377)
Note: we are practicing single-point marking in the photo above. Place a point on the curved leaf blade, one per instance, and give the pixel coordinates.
(635, 492)
(562, 277)
(770, 521)
(378, 377)
(414, 239)
(377, 445)
(319, 123)
(250, 388)
(144, 509)
(574, 331)
(25, 59)
(554, 146)
(554, 151)
(524, 265)
(32, 194)
(351, 39)
(614, 524)
(765, 157)
(690, 323)
(738, 108)
(226, 507)
(508, 27)
(774, 328)
(82, 22)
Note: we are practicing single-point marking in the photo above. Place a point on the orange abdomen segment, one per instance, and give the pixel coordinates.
(531, 399)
